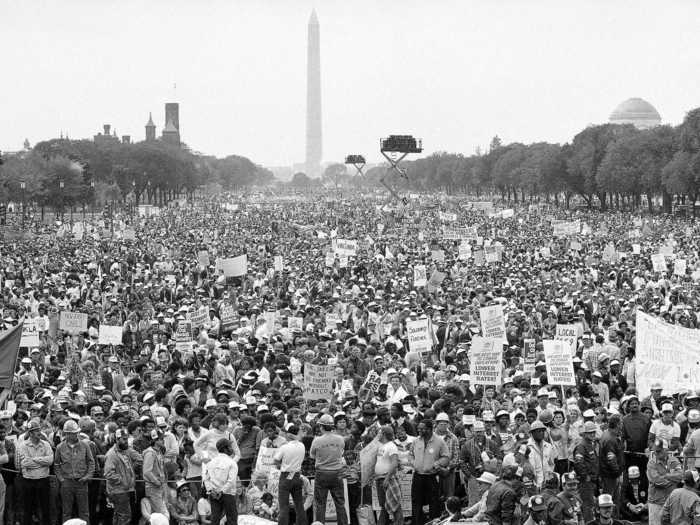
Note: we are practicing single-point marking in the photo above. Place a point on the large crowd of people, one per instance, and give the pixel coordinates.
(209, 405)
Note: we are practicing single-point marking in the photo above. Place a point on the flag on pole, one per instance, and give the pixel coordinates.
(9, 349)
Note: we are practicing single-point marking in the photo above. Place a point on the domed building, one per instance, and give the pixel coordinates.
(636, 111)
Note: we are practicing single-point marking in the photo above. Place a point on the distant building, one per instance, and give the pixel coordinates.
(107, 136)
(150, 129)
(636, 111)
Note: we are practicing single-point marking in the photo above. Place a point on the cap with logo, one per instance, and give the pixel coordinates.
(605, 500)
(537, 503)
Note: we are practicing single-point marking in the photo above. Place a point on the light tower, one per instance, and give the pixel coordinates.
(395, 148)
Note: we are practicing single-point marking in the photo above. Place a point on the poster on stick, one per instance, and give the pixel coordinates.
(318, 381)
(486, 361)
(557, 357)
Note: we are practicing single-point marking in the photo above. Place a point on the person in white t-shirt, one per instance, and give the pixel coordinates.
(666, 428)
(384, 469)
(288, 459)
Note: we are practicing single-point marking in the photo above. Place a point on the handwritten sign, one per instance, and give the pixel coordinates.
(485, 361)
(419, 339)
(346, 247)
(420, 275)
(568, 333)
(318, 381)
(183, 336)
(73, 322)
(658, 261)
(234, 266)
(266, 459)
(110, 335)
(30, 333)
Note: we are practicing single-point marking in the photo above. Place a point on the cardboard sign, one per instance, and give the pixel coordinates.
(557, 356)
(372, 382)
(419, 339)
(318, 381)
(183, 336)
(679, 267)
(30, 333)
(278, 264)
(110, 335)
(420, 276)
(295, 323)
(198, 319)
(493, 325)
(203, 258)
(486, 361)
(235, 266)
(437, 255)
(73, 322)
(266, 459)
(345, 247)
(658, 261)
(569, 334)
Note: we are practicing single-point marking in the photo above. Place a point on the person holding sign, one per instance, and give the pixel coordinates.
(328, 449)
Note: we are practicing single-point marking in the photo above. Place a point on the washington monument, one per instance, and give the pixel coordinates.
(314, 140)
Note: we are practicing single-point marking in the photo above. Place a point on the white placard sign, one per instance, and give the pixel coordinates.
(110, 335)
(493, 325)
(420, 275)
(419, 339)
(558, 361)
(486, 361)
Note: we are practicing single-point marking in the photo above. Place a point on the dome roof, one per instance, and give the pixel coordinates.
(636, 111)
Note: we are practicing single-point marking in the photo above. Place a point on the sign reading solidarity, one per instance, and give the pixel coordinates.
(557, 357)
(419, 339)
(73, 322)
(486, 361)
(110, 335)
(318, 381)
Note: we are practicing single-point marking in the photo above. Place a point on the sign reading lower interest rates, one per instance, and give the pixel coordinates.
(557, 357)
(485, 361)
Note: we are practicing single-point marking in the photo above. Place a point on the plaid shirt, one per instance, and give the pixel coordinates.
(452, 443)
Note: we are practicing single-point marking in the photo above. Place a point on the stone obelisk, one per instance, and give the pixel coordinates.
(314, 140)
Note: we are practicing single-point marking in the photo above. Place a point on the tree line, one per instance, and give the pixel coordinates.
(63, 172)
(605, 166)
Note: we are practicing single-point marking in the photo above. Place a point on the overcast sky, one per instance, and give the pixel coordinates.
(452, 72)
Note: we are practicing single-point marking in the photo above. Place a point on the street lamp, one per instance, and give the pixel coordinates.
(23, 186)
(62, 185)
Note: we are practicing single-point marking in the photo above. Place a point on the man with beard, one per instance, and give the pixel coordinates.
(120, 473)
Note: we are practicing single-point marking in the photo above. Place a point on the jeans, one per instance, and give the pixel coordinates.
(226, 504)
(122, 508)
(655, 514)
(291, 487)
(329, 481)
(36, 497)
(425, 490)
(73, 491)
(383, 513)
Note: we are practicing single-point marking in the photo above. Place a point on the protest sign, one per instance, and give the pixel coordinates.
(420, 276)
(198, 319)
(235, 266)
(318, 381)
(372, 381)
(658, 262)
(493, 324)
(295, 323)
(530, 355)
(666, 354)
(492, 253)
(266, 459)
(436, 279)
(129, 234)
(507, 214)
(183, 336)
(30, 333)
(73, 322)
(679, 267)
(560, 368)
(565, 228)
(447, 216)
(464, 251)
(330, 259)
(228, 318)
(485, 361)
(419, 339)
(252, 519)
(636, 249)
(437, 255)
(278, 264)
(479, 257)
(568, 333)
(203, 258)
(110, 335)
(345, 247)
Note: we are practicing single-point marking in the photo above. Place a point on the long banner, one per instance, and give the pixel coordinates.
(666, 354)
